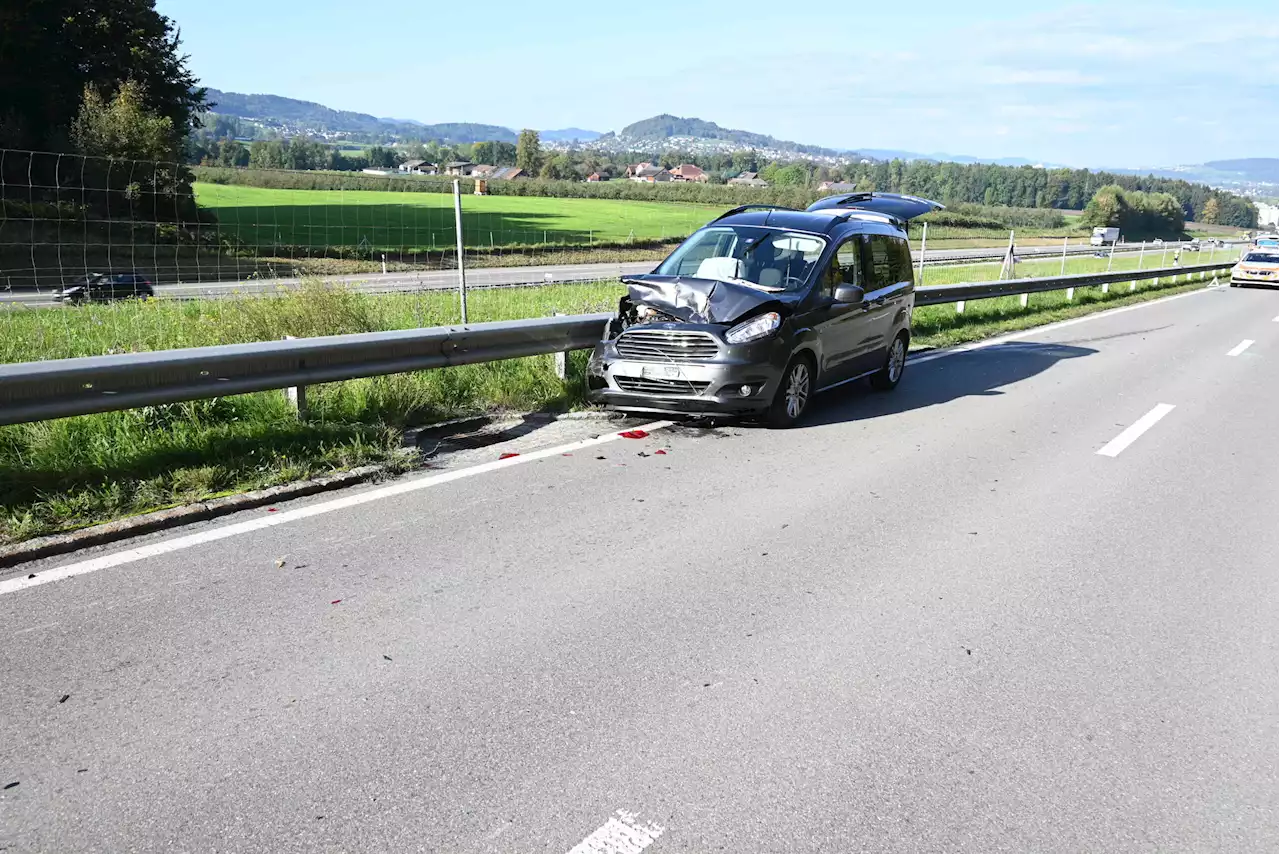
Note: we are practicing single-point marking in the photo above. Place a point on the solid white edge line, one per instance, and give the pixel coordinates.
(1241, 347)
(1133, 431)
(71, 570)
(1062, 324)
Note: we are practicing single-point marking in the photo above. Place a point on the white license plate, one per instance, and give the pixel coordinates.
(661, 372)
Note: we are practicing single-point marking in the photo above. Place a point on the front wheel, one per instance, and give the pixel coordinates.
(792, 397)
(895, 361)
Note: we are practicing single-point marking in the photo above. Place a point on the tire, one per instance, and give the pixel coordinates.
(795, 391)
(895, 362)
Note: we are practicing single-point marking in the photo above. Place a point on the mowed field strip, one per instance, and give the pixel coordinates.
(424, 221)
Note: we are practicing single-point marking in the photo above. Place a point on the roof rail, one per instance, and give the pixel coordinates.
(744, 208)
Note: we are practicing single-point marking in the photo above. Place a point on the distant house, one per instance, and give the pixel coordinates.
(482, 170)
(647, 173)
(506, 173)
(459, 168)
(594, 177)
(689, 172)
(749, 179)
(418, 167)
(837, 187)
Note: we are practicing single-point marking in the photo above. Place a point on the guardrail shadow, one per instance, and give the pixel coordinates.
(981, 373)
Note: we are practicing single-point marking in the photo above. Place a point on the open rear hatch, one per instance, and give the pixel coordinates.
(897, 206)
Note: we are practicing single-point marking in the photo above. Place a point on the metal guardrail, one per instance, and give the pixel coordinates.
(1012, 287)
(35, 391)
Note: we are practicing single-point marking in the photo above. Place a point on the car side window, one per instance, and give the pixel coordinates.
(888, 261)
(846, 266)
(906, 267)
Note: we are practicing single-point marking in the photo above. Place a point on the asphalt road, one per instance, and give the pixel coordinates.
(933, 620)
(483, 277)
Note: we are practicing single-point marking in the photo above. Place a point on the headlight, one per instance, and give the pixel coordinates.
(755, 328)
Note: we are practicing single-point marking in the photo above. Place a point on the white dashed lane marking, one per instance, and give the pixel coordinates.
(621, 834)
(1241, 347)
(1131, 433)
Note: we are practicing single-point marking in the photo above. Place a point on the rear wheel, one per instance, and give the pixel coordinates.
(895, 362)
(794, 392)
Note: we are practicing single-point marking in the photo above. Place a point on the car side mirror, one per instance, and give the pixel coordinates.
(851, 294)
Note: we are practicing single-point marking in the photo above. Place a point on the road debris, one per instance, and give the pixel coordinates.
(507, 456)
(65, 697)
(634, 434)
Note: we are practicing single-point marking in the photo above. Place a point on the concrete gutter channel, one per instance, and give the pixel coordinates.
(431, 443)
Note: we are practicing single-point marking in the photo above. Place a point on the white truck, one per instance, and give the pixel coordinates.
(1104, 237)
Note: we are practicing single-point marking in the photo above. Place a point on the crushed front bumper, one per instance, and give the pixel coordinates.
(739, 379)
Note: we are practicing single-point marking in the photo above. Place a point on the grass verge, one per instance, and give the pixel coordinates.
(73, 472)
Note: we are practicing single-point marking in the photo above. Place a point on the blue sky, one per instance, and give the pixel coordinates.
(1123, 84)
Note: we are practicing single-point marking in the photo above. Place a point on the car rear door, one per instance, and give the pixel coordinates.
(889, 284)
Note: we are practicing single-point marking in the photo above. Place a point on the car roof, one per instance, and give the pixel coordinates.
(832, 222)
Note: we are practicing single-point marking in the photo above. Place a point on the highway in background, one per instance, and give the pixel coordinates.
(1027, 602)
(483, 277)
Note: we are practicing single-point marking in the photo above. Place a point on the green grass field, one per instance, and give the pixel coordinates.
(405, 222)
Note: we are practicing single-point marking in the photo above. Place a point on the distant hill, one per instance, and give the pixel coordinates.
(657, 129)
(1261, 169)
(1251, 175)
(569, 135)
(309, 117)
(292, 112)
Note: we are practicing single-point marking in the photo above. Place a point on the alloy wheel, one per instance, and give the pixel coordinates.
(897, 358)
(797, 389)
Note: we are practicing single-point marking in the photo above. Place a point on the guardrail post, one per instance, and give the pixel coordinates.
(960, 307)
(561, 358)
(297, 395)
(924, 239)
(1063, 271)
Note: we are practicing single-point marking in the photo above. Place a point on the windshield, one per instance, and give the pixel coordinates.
(763, 258)
(1262, 258)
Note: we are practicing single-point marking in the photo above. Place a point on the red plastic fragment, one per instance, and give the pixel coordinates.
(335, 601)
(661, 451)
(271, 509)
(634, 434)
(508, 456)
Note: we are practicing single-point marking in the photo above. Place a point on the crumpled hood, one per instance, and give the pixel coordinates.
(702, 300)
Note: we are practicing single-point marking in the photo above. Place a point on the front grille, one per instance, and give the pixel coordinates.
(665, 345)
(653, 385)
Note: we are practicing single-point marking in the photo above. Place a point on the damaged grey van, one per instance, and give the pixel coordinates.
(764, 307)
